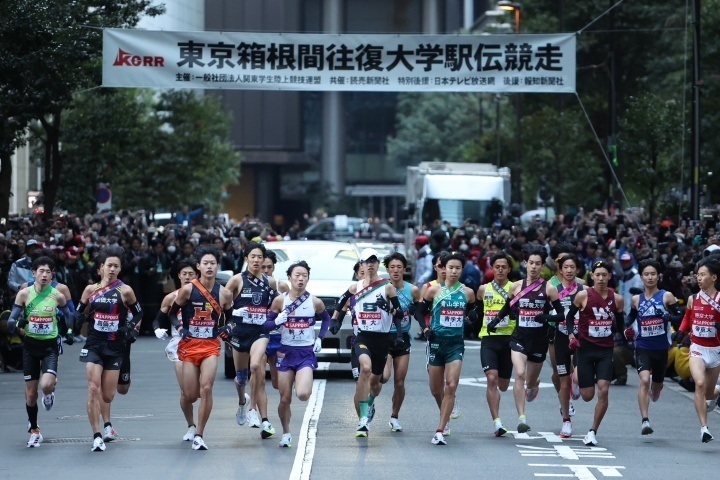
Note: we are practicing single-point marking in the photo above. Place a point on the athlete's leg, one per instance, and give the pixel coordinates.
(242, 362)
(191, 381)
(362, 386)
(47, 383)
(698, 372)
(93, 372)
(185, 406)
(109, 383)
(401, 369)
(564, 395)
(31, 397)
(643, 392)
(285, 384)
(712, 377)
(452, 376)
(553, 361)
(493, 394)
(532, 377)
(257, 375)
(388, 370)
(304, 383)
(519, 362)
(603, 388)
(273, 372)
(208, 371)
(436, 376)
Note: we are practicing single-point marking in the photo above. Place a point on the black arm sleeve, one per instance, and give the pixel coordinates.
(161, 318)
(343, 300)
(398, 315)
(80, 318)
(570, 318)
(421, 311)
(174, 309)
(675, 315)
(474, 311)
(504, 311)
(619, 321)
(558, 317)
(632, 316)
(137, 313)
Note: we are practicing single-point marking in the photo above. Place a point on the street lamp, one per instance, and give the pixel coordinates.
(510, 6)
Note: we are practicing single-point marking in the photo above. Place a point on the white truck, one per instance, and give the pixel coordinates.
(455, 191)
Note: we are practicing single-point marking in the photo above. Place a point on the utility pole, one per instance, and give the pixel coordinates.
(696, 86)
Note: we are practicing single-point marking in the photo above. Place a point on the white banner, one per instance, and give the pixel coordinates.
(352, 62)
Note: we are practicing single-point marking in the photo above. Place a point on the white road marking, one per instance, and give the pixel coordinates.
(308, 432)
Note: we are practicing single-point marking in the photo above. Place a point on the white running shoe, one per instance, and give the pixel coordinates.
(253, 419)
(98, 445)
(455, 414)
(574, 389)
(395, 425)
(566, 430)
(499, 429)
(438, 439)
(199, 443)
(36, 439)
(710, 405)
(446, 430)
(241, 414)
(110, 434)
(590, 439)
(190, 435)
(705, 435)
(267, 430)
(285, 441)
(646, 428)
(48, 401)
(363, 428)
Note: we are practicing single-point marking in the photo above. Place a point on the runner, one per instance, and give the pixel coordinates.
(109, 305)
(295, 313)
(186, 274)
(495, 347)
(203, 303)
(448, 304)
(376, 308)
(701, 321)
(399, 358)
(530, 300)
(649, 325)
(568, 265)
(594, 342)
(253, 293)
(35, 311)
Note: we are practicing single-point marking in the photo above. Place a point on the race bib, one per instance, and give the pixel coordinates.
(704, 331)
(39, 325)
(106, 322)
(256, 315)
(200, 331)
(526, 318)
(297, 331)
(600, 328)
(370, 321)
(491, 315)
(452, 317)
(652, 327)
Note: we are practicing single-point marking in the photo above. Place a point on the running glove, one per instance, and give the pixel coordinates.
(335, 326)
(161, 333)
(225, 330)
(630, 333)
(241, 312)
(574, 344)
(281, 318)
(318, 345)
(69, 338)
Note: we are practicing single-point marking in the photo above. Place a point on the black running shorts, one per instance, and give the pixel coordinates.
(533, 345)
(563, 355)
(376, 346)
(594, 364)
(654, 361)
(39, 356)
(109, 355)
(403, 349)
(495, 355)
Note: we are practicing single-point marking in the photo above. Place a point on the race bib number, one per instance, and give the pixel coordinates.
(39, 325)
(256, 315)
(105, 322)
(652, 327)
(370, 321)
(600, 328)
(526, 318)
(197, 331)
(297, 331)
(704, 331)
(491, 315)
(452, 317)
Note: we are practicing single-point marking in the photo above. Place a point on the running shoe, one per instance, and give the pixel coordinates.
(705, 435)
(455, 414)
(190, 435)
(646, 428)
(371, 413)
(36, 439)
(590, 439)
(523, 427)
(48, 401)
(110, 434)
(566, 430)
(571, 410)
(574, 389)
(253, 419)
(362, 428)
(438, 439)
(98, 445)
(531, 393)
(395, 425)
(499, 429)
(710, 405)
(446, 430)
(199, 443)
(654, 396)
(285, 441)
(241, 414)
(267, 430)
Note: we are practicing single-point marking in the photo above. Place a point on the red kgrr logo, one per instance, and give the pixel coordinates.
(125, 59)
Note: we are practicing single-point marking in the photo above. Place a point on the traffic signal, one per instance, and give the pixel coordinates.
(612, 150)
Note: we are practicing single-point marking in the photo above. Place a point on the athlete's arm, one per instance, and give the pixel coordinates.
(324, 316)
(577, 305)
(675, 313)
(80, 316)
(687, 320)
(397, 313)
(342, 300)
(424, 307)
(15, 322)
(619, 313)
